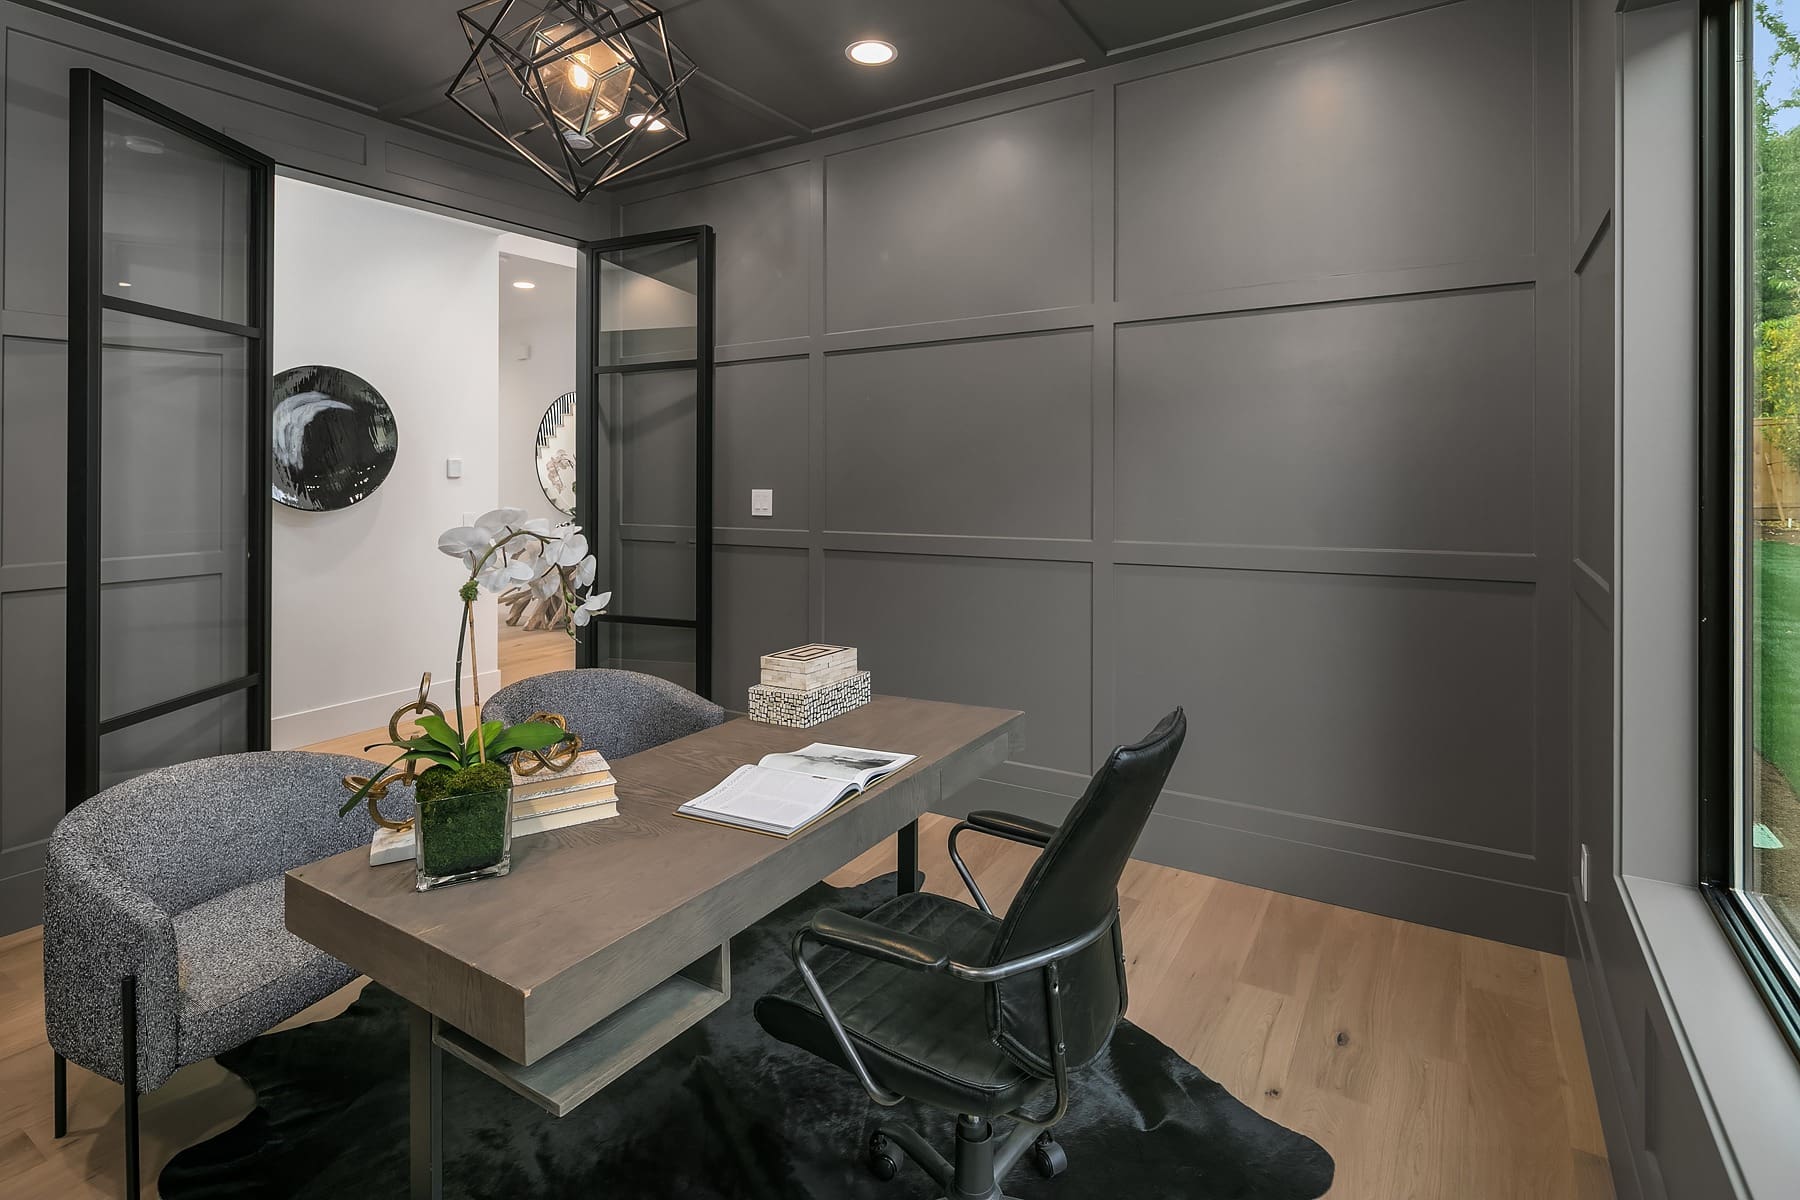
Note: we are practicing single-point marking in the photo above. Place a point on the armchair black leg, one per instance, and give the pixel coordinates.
(59, 1087)
(128, 1022)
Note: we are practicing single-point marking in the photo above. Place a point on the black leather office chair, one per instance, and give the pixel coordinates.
(929, 999)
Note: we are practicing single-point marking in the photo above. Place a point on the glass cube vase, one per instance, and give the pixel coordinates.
(462, 836)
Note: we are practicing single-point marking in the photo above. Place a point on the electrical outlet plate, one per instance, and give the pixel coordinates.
(762, 502)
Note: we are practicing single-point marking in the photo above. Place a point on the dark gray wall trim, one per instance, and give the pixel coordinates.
(1372, 639)
(1477, 904)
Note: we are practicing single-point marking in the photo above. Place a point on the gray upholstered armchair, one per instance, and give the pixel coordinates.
(614, 712)
(163, 915)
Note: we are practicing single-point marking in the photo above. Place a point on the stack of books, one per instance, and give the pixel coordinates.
(808, 684)
(542, 800)
(581, 792)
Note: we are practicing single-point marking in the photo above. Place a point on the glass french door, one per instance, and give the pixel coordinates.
(169, 375)
(646, 442)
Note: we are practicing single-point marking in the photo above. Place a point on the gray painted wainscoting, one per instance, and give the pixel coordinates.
(1237, 377)
(308, 137)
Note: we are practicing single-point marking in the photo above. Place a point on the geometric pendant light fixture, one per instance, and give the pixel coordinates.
(584, 90)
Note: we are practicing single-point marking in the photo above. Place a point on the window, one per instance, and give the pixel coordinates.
(1750, 479)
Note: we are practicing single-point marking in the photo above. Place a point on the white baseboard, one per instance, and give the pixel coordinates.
(353, 716)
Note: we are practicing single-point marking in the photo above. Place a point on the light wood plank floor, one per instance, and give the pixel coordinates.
(524, 654)
(1433, 1066)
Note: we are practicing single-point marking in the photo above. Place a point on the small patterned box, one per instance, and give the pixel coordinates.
(803, 710)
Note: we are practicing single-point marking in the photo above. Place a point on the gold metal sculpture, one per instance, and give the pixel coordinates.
(558, 758)
(418, 708)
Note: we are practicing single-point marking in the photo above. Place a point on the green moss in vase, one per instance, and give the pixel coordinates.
(462, 816)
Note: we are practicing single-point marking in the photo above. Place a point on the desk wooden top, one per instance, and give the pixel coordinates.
(592, 916)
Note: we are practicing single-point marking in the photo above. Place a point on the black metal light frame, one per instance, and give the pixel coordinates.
(1723, 557)
(502, 84)
(89, 95)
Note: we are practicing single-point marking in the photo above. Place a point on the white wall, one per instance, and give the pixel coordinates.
(537, 364)
(363, 600)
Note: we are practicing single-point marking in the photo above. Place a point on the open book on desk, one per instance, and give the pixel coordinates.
(784, 793)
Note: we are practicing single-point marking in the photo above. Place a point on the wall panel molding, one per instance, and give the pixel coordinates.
(1480, 577)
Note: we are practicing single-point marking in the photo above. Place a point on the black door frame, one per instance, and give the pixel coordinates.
(589, 451)
(89, 94)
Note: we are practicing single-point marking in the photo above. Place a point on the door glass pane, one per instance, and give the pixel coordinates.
(200, 731)
(1771, 832)
(174, 511)
(647, 303)
(649, 557)
(660, 650)
(175, 220)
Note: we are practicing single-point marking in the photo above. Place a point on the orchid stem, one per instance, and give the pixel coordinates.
(474, 681)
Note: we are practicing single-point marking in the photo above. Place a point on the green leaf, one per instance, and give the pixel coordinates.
(423, 749)
(362, 792)
(489, 731)
(532, 735)
(440, 732)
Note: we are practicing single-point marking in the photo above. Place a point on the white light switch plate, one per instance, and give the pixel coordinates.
(762, 502)
(453, 468)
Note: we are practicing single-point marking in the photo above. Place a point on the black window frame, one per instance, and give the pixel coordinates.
(1725, 195)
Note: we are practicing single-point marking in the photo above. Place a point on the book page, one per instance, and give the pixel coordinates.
(846, 764)
(775, 800)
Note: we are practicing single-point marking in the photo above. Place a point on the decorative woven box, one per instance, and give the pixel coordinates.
(803, 710)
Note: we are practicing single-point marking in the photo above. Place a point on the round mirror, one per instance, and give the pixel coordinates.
(335, 439)
(556, 453)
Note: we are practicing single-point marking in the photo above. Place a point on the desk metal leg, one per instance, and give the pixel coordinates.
(427, 1109)
(910, 879)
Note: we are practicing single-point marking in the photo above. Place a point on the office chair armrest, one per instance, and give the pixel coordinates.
(1011, 827)
(1023, 830)
(878, 941)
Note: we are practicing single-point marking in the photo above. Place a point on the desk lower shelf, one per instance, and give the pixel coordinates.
(563, 1079)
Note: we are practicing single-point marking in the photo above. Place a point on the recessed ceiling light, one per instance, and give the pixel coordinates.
(637, 119)
(524, 285)
(871, 53)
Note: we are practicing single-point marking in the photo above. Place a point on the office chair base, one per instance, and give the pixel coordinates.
(982, 1159)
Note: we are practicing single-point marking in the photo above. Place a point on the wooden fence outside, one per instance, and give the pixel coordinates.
(1775, 481)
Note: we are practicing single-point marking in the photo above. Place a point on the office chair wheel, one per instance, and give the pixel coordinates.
(882, 1163)
(1048, 1157)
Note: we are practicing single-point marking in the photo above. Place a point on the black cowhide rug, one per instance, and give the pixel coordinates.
(722, 1111)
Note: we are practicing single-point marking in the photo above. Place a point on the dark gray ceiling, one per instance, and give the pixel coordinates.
(771, 71)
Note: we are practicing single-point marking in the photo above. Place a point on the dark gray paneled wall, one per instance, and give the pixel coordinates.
(303, 134)
(1234, 378)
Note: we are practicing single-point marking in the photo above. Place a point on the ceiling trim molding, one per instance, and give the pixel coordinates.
(1032, 89)
(749, 103)
(1058, 13)
(132, 33)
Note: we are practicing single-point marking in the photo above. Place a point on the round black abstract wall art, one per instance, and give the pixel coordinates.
(335, 438)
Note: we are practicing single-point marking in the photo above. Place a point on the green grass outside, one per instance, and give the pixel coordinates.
(1778, 656)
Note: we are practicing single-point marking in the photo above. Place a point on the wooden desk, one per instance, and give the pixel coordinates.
(610, 938)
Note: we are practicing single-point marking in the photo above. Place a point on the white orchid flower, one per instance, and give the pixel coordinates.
(589, 608)
(548, 582)
(466, 542)
(571, 549)
(500, 521)
(499, 573)
(584, 573)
